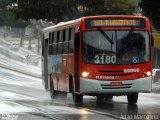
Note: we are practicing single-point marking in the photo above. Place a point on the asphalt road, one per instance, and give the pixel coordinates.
(23, 97)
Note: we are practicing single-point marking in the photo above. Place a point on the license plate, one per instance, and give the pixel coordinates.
(116, 83)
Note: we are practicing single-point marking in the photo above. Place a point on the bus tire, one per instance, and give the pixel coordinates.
(53, 93)
(71, 88)
(108, 97)
(77, 98)
(132, 98)
(100, 98)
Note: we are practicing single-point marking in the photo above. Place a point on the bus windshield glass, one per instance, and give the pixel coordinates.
(127, 47)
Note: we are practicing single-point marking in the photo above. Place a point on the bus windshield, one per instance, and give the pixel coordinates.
(126, 48)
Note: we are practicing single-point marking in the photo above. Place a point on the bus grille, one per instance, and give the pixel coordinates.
(116, 87)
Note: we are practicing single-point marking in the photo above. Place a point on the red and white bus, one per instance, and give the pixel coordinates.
(101, 56)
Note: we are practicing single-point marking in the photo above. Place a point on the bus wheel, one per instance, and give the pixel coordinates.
(71, 88)
(132, 98)
(100, 100)
(77, 98)
(108, 97)
(53, 93)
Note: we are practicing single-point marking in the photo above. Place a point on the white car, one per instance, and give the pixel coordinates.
(32, 59)
(156, 75)
(15, 45)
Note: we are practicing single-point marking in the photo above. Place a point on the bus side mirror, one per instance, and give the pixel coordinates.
(77, 40)
(152, 40)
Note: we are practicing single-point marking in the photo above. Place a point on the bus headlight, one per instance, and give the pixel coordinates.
(147, 73)
(85, 74)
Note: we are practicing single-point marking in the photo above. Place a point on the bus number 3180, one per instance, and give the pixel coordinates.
(105, 59)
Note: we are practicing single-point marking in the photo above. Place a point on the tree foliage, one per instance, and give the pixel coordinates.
(96, 7)
(151, 9)
(70, 9)
(7, 16)
(48, 9)
(6, 3)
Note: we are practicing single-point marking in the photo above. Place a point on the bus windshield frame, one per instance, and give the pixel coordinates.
(127, 47)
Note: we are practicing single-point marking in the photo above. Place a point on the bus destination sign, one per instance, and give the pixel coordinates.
(92, 23)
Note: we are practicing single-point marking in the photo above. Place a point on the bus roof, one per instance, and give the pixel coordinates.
(78, 21)
(62, 25)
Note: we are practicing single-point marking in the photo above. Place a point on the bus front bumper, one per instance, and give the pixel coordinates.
(91, 86)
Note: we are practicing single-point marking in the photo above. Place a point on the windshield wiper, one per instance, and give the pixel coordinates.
(106, 36)
(130, 32)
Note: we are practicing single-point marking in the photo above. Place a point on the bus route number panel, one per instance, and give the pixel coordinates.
(94, 23)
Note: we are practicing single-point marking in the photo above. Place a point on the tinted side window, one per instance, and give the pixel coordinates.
(65, 41)
(43, 45)
(60, 43)
(50, 44)
(71, 40)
